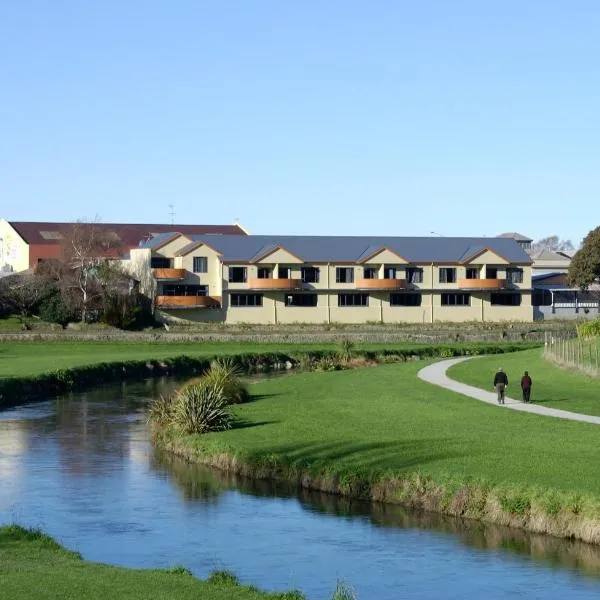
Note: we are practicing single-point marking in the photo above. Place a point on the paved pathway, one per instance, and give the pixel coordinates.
(436, 374)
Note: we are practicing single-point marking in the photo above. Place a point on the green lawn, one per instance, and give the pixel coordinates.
(383, 421)
(18, 359)
(552, 386)
(34, 567)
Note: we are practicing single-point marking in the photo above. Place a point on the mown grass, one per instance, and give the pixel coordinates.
(33, 566)
(379, 423)
(19, 359)
(552, 385)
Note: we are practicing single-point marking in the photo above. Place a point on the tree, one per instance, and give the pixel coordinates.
(84, 249)
(585, 266)
(23, 292)
(554, 244)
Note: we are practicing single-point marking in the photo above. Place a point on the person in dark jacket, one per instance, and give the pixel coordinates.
(500, 384)
(526, 386)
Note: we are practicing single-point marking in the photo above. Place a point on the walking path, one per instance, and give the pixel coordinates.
(436, 374)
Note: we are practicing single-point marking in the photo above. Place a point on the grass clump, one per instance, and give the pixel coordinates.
(343, 592)
(224, 373)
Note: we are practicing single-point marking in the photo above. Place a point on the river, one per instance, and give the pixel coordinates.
(82, 468)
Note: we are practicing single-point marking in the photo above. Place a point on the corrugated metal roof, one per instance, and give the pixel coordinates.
(351, 249)
(515, 236)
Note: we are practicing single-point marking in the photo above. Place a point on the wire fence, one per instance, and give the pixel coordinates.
(581, 354)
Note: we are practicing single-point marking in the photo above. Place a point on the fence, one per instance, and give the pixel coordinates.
(582, 354)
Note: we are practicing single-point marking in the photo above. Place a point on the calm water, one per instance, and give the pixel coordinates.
(82, 468)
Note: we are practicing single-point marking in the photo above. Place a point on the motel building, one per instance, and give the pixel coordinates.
(329, 279)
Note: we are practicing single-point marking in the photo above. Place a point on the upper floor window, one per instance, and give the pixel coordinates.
(389, 272)
(353, 299)
(301, 300)
(344, 275)
(184, 290)
(161, 262)
(264, 273)
(456, 299)
(371, 273)
(514, 275)
(503, 299)
(472, 273)
(491, 273)
(447, 275)
(284, 273)
(310, 274)
(414, 275)
(238, 274)
(200, 264)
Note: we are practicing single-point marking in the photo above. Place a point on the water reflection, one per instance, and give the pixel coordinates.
(81, 467)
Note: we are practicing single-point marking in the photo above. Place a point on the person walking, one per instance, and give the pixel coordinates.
(526, 386)
(500, 384)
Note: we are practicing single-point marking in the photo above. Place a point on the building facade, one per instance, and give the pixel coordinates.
(314, 279)
(23, 244)
(553, 298)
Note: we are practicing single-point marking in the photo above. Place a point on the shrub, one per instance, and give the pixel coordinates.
(225, 578)
(223, 374)
(346, 350)
(328, 363)
(590, 328)
(54, 310)
(201, 408)
(343, 592)
(160, 410)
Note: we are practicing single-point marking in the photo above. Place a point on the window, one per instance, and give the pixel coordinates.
(184, 290)
(238, 274)
(310, 274)
(456, 299)
(472, 273)
(447, 275)
(541, 298)
(160, 262)
(491, 273)
(371, 273)
(344, 275)
(284, 273)
(200, 264)
(301, 300)
(405, 299)
(514, 275)
(389, 272)
(264, 273)
(505, 299)
(353, 299)
(414, 275)
(246, 299)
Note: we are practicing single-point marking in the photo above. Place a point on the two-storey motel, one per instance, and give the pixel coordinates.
(315, 279)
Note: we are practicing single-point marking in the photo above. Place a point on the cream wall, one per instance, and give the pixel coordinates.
(212, 278)
(14, 252)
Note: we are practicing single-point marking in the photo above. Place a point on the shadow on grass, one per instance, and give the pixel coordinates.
(245, 424)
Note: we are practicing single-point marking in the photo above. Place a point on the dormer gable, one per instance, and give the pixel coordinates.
(276, 255)
(483, 256)
(381, 255)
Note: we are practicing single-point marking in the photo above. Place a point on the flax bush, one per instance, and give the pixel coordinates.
(160, 410)
(201, 408)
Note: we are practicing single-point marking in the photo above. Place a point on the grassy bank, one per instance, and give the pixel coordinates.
(552, 385)
(33, 566)
(380, 433)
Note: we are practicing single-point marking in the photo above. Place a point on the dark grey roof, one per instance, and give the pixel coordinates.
(353, 249)
(158, 240)
(516, 236)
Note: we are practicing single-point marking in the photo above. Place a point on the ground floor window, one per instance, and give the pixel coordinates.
(184, 290)
(301, 300)
(246, 299)
(405, 299)
(353, 299)
(513, 299)
(456, 299)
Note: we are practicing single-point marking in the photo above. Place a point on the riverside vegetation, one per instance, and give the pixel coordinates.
(33, 565)
(382, 434)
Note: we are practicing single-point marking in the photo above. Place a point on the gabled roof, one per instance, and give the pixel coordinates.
(551, 255)
(130, 234)
(476, 251)
(158, 241)
(314, 249)
(263, 253)
(373, 251)
(191, 247)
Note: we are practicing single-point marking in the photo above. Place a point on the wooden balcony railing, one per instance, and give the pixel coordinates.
(169, 274)
(380, 284)
(481, 284)
(187, 302)
(275, 284)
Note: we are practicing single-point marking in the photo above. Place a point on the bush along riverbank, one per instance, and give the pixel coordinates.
(383, 436)
(18, 390)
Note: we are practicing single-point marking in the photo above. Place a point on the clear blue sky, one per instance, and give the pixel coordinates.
(326, 117)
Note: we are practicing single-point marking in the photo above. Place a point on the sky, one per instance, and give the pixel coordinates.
(308, 117)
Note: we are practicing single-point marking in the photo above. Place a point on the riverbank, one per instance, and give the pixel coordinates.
(33, 565)
(381, 434)
(37, 370)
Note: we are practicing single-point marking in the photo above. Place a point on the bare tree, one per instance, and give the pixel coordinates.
(554, 244)
(21, 293)
(84, 249)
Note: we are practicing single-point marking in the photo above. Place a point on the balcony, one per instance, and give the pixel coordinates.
(169, 274)
(389, 285)
(286, 285)
(187, 302)
(481, 284)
